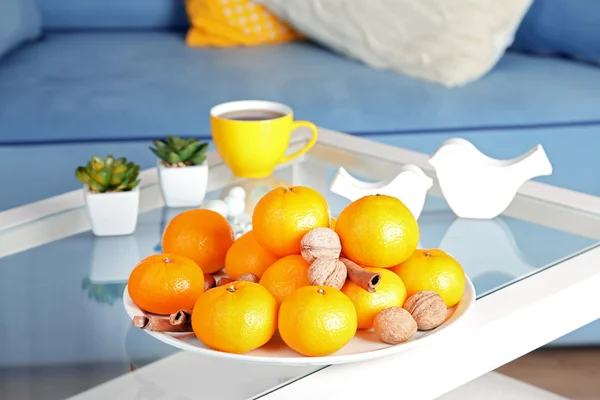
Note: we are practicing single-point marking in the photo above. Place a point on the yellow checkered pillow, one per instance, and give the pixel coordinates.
(226, 23)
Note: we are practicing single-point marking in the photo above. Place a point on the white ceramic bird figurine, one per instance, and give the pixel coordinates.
(481, 187)
(410, 186)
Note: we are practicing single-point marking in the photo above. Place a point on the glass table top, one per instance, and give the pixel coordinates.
(63, 329)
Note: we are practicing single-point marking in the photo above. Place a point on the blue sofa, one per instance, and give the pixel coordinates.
(108, 76)
(115, 79)
(105, 72)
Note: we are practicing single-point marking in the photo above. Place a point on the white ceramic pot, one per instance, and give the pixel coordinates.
(183, 187)
(113, 214)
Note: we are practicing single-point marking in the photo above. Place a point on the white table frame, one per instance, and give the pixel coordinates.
(503, 326)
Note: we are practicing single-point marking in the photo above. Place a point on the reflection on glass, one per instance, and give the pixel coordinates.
(113, 258)
(487, 250)
(497, 251)
(106, 293)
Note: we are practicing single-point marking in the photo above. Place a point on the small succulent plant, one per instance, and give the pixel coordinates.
(109, 175)
(177, 152)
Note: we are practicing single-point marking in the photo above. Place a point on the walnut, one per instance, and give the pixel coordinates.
(249, 277)
(427, 308)
(319, 243)
(224, 281)
(327, 272)
(394, 325)
(209, 282)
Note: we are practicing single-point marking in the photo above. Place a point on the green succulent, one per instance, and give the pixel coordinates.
(175, 151)
(109, 175)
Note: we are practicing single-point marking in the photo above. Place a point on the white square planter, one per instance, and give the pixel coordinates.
(113, 214)
(184, 186)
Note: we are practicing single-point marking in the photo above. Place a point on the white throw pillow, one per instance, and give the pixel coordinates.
(451, 42)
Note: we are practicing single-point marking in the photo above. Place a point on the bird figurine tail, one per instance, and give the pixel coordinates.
(532, 164)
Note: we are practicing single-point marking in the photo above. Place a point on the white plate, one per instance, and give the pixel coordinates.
(364, 346)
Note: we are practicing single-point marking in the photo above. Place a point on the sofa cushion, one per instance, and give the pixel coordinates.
(565, 27)
(110, 14)
(244, 23)
(19, 22)
(103, 86)
(448, 42)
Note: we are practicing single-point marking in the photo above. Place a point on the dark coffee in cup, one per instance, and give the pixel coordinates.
(251, 115)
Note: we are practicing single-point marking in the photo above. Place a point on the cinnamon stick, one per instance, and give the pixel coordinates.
(360, 276)
(158, 324)
(181, 317)
(209, 282)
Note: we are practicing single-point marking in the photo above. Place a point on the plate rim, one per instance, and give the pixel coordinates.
(466, 303)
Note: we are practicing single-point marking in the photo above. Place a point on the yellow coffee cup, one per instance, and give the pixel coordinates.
(252, 136)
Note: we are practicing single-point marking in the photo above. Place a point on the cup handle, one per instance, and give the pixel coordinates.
(309, 145)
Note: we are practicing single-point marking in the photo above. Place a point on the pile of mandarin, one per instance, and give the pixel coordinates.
(314, 279)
